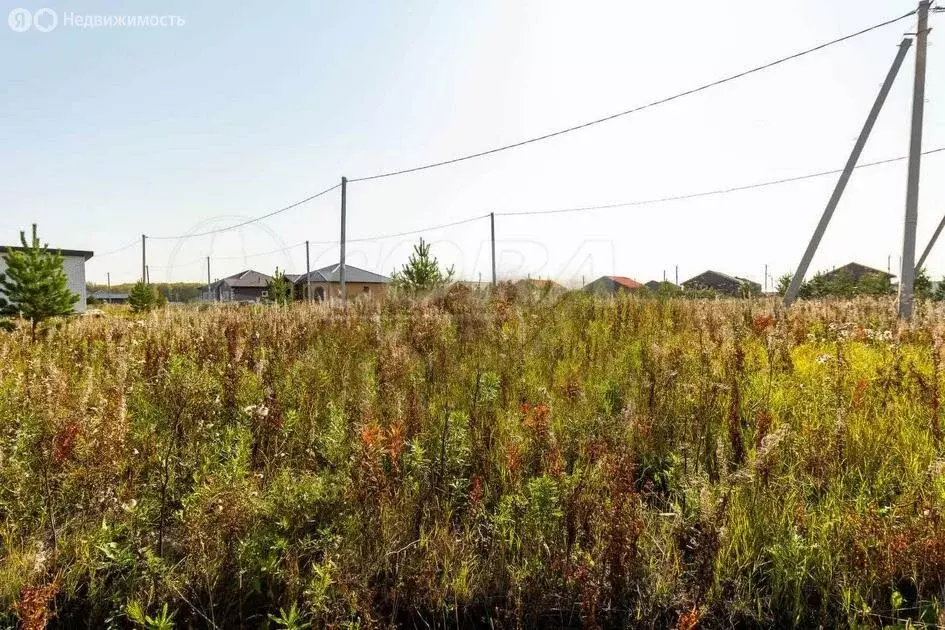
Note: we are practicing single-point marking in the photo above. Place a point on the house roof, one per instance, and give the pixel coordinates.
(610, 284)
(72, 253)
(857, 270)
(624, 281)
(292, 277)
(352, 274)
(711, 273)
(719, 281)
(248, 279)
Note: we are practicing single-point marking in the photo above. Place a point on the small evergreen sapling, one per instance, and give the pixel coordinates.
(35, 286)
(279, 288)
(142, 298)
(422, 271)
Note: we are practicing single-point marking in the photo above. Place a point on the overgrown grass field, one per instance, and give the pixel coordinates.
(475, 460)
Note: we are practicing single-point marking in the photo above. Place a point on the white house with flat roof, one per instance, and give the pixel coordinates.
(73, 261)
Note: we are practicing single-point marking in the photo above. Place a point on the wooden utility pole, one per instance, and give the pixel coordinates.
(144, 259)
(341, 266)
(798, 276)
(907, 267)
(492, 238)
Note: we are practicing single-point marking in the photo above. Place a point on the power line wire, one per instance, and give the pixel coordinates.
(707, 193)
(418, 231)
(248, 221)
(280, 250)
(638, 108)
(120, 249)
(381, 237)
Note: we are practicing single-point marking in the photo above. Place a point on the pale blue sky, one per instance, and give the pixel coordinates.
(107, 133)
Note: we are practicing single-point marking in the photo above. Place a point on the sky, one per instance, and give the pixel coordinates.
(110, 133)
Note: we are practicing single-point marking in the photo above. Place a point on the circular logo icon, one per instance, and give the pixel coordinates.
(45, 20)
(20, 20)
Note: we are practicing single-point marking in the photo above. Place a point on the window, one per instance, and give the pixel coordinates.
(265, 293)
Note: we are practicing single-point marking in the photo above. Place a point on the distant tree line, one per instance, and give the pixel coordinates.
(166, 291)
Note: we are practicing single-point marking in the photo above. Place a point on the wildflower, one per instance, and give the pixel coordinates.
(65, 442)
(761, 323)
(823, 358)
(689, 620)
(475, 494)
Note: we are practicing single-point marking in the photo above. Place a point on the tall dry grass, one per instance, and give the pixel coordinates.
(476, 460)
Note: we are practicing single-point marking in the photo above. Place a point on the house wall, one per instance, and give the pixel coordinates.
(224, 293)
(354, 290)
(74, 266)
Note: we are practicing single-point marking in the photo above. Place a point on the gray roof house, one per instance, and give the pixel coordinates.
(612, 285)
(721, 283)
(109, 297)
(73, 263)
(327, 281)
(854, 271)
(245, 286)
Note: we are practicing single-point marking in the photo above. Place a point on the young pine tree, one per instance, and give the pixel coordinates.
(142, 298)
(280, 289)
(422, 271)
(35, 285)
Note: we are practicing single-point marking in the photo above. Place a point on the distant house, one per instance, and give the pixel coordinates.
(721, 283)
(661, 285)
(326, 282)
(109, 297)
(73, 263)
(853, 272)
(612, 285)
(245, 286)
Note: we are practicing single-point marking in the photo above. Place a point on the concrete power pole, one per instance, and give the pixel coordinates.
(928, 248)
(341, 267)
(492, 238)
(798, 276)
(208, 279)
(907, 273)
